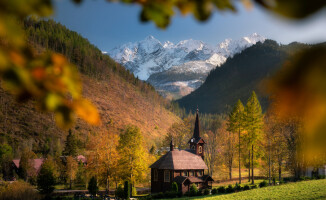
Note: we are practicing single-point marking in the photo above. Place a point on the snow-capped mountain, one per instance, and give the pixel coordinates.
(177, 68)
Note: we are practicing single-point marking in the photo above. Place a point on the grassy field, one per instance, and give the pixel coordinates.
(315, 189)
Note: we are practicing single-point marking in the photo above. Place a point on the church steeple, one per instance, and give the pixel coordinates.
(196, 129)
(196, 142)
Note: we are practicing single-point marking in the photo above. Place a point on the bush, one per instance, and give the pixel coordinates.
(158, 196)
(221, 190)
(237, 187)
(174, 187)
(119, 191)
(134, 191)
(18, 190)
(246, 187)
(302, 178)
(171, 194)
(214, 191)
(206, 191)
(263, 184)
(46, 180)
(92, 186)
(230, 189)
(253, 186)
(282, 182)
(126, 190)
(199, 193)
(193, 190)
(321, 176)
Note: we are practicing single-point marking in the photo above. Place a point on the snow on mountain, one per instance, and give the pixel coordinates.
(188, 61)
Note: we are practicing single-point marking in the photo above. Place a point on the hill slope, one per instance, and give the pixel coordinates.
(120, 98)
(238, 76)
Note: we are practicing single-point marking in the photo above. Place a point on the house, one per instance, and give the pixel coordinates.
(315, 171)
(184, 167)
(37, 163)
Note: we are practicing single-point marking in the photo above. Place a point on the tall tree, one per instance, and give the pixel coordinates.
(47, 177)
(71, 169)
(102, 160)
(235, 125)
(133, 157)
(70, 145)
(26, 164)
(253, 120)
(5, 160)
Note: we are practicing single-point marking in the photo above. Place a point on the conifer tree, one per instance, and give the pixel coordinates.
(70, 145)
(253, 120)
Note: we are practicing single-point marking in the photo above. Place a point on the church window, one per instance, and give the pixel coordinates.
(200, 149)
(166, 176)
(184, 173)
(200, 173)
(155, 175)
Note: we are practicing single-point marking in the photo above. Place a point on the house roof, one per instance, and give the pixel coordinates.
(37, 163)
(179, 160)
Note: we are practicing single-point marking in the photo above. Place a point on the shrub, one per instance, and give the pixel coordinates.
(237, 187)
(18, 190)
(263, 184)
(206, 191)
(119, 191)
(193, 190)
(246, 187)
(321, 176)
(174, 187)
(46, 179)
(221, 190)
(230, 189)
(253, 186)
(92, 186)
(214, 191)
(302, 178)
(171, 194)
(282, 182)
(133, 191)
(199, 193)
(126, 190)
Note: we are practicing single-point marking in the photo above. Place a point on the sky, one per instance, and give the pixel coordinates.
(107, 25)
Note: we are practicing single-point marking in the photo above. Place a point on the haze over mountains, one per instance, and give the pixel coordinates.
(175, 70)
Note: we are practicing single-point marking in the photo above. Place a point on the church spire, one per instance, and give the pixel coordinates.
(196, 130)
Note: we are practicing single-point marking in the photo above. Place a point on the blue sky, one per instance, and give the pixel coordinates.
(110, 24)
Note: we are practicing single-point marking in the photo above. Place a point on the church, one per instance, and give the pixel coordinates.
(184, 167)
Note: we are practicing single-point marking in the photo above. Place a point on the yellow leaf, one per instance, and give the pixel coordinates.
(87, 111)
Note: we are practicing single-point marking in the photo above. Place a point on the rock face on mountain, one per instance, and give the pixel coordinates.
(177, 69)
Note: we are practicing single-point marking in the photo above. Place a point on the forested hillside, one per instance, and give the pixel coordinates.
(120, 98)
(239, 76)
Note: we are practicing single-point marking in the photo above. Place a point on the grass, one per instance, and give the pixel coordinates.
(315, 189)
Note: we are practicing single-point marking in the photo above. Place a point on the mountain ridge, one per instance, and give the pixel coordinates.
(239, 76)
(152, 60)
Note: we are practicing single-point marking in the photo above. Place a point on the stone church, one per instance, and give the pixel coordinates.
(184, 167)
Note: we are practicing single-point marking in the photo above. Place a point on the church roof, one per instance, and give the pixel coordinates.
(179, 160)
(192, 179)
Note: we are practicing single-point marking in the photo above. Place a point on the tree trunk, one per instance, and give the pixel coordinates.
(269, 162)
(239, 159)
(252, 163)
(279, 169)
(249, 177)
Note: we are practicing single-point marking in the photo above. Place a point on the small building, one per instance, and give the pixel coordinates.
(184, 167)
(315, 171)
(37, 163)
